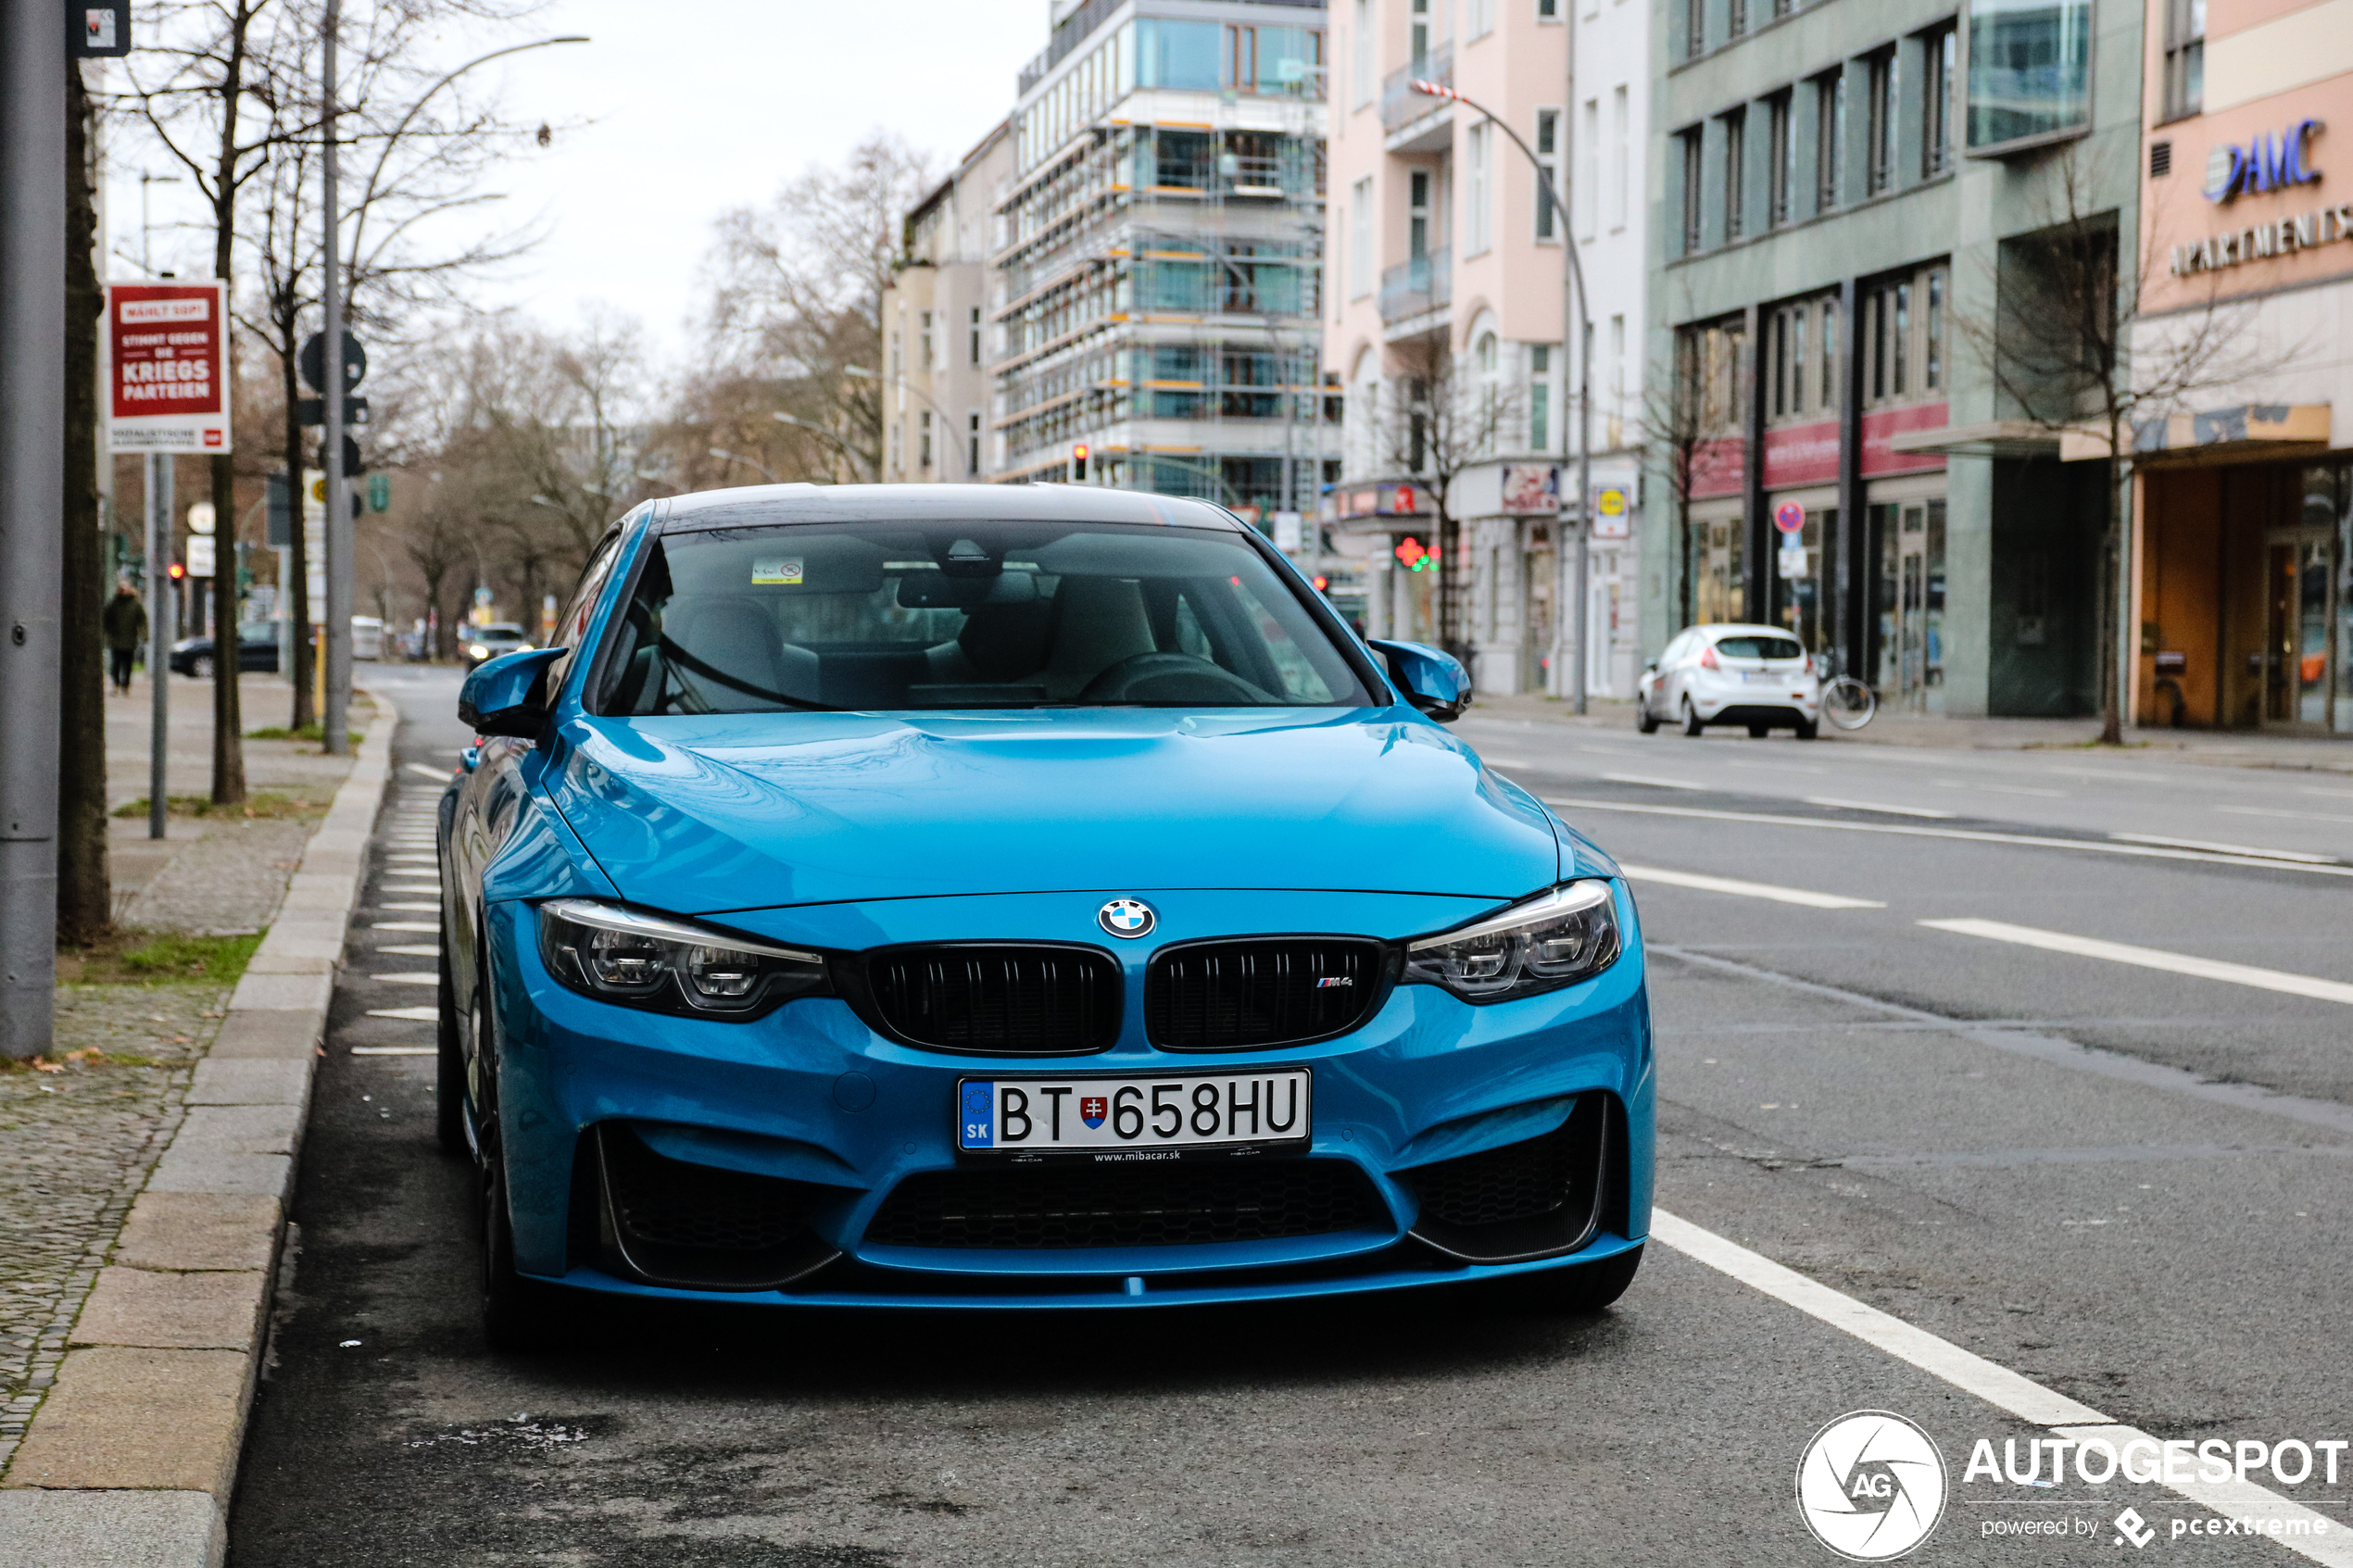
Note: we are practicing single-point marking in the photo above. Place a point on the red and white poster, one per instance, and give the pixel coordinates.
(167, 361)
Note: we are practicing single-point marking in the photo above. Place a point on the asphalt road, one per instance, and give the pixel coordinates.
(2124, 1181)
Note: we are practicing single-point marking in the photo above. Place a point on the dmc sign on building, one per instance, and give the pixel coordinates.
(2245, 516)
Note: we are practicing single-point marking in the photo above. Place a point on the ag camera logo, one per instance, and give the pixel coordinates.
(1870, 1485)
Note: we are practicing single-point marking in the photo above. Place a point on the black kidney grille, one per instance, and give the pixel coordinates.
(1519, 1181)
(1160, 1205)
(671, 1203)
(1009, 1000)
(1261, 992)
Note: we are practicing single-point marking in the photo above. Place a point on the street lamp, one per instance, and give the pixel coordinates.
(1573, 293)
(737, 457)
(855, 455)
(947, 426)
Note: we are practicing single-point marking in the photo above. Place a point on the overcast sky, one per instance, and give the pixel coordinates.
(695, 107)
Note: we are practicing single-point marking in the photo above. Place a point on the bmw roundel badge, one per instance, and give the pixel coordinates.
(1126, 917)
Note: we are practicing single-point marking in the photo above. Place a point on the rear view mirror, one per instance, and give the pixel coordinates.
(508, 695)
(1433, 681)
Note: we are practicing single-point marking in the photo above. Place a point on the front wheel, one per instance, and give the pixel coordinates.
(1644, 720)
(201, 666)
(518, 1315)
(1586, 1288)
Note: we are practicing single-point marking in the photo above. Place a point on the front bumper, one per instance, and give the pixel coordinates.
(811, 1100)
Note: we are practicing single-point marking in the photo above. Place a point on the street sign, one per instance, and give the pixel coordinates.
(202, 554)
(166, 353)
(1788, 516)
(312, 362)
(200, 518)
(95, 31)
(1610, 516)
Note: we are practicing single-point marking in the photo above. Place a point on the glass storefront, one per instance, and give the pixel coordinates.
(1907, 600)
(1716, 565)
(2307, 667)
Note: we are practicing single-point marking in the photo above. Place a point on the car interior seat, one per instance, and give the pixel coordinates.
(726, 655)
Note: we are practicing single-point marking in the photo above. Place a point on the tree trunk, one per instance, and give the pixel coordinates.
(227, 722)
(2113, 604)
(85, 902)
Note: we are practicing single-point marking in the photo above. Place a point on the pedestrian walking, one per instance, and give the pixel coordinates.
(126, 627)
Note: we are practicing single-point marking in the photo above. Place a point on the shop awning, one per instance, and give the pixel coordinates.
(2240, 431)
(1990, 438)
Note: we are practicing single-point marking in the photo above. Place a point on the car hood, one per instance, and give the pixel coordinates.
(705, 814)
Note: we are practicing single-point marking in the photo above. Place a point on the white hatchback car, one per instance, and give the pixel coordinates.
(1759, 676)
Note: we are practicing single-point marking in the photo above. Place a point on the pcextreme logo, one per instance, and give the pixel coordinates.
(1870, 1485)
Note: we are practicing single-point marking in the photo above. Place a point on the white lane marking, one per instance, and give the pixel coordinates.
(1654, 784)
(1997, 1386)
(1972, 835)
(441, 773)
(405, 925)
(435, 905)
(2332, 794)
(2291, 816)
(411, 977)
(1743, 890)
(396, 1051)
(2151, 958)
(1999, 789)
(1874, 806)
(412, 1015)
(2225, 848)
(411, 950)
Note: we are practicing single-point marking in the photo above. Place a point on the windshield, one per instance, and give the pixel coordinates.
(965, 616)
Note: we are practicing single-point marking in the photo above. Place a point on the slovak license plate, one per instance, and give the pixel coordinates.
(1141, 1117)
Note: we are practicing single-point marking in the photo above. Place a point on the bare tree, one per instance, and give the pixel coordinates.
(798, 285)
(1445, 423)
(1687, 408)
(2063, 353)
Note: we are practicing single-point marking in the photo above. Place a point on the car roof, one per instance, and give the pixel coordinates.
(754, 504)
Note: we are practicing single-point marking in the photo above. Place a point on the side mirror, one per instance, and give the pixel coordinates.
(1651, 668)
(1433, 681)
(508, 695)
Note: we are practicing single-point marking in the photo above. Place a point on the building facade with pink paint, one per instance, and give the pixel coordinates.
(1443, 321)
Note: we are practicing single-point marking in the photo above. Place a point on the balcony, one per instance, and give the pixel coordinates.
(1401, 105)
(1422, 285)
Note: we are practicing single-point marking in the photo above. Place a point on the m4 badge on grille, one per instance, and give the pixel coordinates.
(1328, 980)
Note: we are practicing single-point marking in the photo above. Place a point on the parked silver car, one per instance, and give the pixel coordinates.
(1757, 676)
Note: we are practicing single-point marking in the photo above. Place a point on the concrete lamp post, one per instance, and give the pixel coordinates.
(1573, 307)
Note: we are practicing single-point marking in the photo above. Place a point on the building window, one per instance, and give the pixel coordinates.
(1828, 335)
(1477, 229)
(1360, 240)
(1417, 213)
(975, 346)
(1735, 18)
(1830, 140)
(1785, 159)
(1482, 17)
(923, 445)
(926, 362)
(1620, 122)
(1903, 345)
(1735, 164)
(1936, 102)
(1690, 139)
(898, 364)
(1360, 44)
(2185, 57)
(897, 463)
(1548, 10)
(1616, 379)
(1548, 131)
(1587, 197)
(2029, 69)
(1420, 39)
(1933, 350)
(1539, 397)
(971, 446)
(2160, 159)
(1694, 29)
(1884, 89)
(1788, 369)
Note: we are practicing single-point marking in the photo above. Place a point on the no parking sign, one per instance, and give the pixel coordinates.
(1788, 516)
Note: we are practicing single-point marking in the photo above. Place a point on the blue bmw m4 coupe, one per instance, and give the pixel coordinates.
(990, 896)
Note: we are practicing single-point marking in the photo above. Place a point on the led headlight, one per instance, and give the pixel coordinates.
(621, 955)
(1565, 935)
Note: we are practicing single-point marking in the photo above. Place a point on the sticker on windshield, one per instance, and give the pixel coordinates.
(775, 571)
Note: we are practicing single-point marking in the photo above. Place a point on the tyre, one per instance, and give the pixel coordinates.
(518, 1315)
(1586, 1288)
(1643, 719)
(201, 666)
(1758, 732)
(1808, 729)
(450, 1081)
(1691, 726)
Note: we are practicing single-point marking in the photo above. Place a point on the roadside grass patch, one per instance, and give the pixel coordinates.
(150, 958)
(316, 732)
(264, 805)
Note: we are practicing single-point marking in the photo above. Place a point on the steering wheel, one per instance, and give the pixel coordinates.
(1173, 677)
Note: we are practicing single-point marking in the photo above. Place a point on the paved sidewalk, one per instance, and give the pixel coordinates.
(148, 1156)
(2232, 748)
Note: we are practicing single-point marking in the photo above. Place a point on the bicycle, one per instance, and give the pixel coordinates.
(1847, 703)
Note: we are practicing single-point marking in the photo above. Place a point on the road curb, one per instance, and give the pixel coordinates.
(131, 1461)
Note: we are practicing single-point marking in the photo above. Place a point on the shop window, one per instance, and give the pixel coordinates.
(2029, 70)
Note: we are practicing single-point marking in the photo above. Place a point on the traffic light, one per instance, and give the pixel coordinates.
(176, 571)
(1078, 464)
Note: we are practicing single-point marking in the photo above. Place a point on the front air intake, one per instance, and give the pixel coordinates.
(995, 998)
(1174, 1204)
(1534, 1199)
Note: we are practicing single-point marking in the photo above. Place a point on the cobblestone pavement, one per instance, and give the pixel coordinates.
(76, 1145)
(229, 879)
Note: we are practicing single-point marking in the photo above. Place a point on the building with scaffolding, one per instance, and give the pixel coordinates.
(1156, 257)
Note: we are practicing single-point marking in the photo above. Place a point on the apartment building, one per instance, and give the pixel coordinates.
(2242, 586)
(938, 374)
(1153, 257)
(1852, 205)
(1446, 315)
